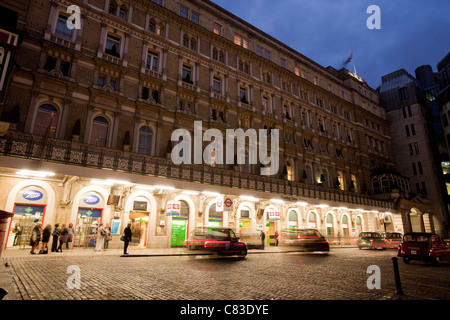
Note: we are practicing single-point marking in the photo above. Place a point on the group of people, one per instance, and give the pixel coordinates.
(64, 235)
(60, 235)
(103, 237)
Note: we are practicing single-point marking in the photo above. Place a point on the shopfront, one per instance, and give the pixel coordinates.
(215, 217)
(273, 217)
(179, 225)
(139, 219)
(29, 207)
(89, 216)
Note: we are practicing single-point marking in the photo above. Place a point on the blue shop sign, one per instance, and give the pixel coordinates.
(28, 209)
(93, 213)
(32, 195)
(91, 199)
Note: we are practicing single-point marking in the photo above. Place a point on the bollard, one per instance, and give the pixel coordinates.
(398, 284)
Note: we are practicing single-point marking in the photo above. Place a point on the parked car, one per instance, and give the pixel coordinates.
(423, 246)
(392, 239)
(371, 240)
(303, 239)
(215, 240)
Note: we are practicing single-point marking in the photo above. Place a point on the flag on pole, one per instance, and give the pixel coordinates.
(349, 59)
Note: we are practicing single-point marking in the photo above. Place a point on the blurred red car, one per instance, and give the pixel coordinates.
(423, 246)
(214, 240)
(304, 239)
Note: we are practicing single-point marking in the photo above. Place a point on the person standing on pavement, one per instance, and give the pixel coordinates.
(70, 233)
(107, 236)
(263, 239)
(127, 238)
(46, 233)
(35, 237)
(101, 232)
(62, 237)
(276, 238)
(55, 236)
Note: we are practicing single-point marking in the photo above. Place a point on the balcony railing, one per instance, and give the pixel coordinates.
(23, 145)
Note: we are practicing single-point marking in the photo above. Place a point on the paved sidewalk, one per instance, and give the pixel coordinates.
(11, 254)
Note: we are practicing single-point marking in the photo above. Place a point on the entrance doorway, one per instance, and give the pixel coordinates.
(86, 227)
(180, 226)
(139, 228)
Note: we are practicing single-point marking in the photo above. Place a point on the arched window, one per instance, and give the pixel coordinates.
(330, 225)
(99, 131)
(46, 120)
(344, 225)
(312, 220)
(293, 221)
(359, 223)
(184, 209)
(145, 140)
(215, 218)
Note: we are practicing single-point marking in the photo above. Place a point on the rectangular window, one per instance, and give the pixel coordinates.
(217, 28)
(414, 169)
(403, 93)
(410, 149)
(112, 46)
(420, 167)
(413, 130)
(101, 81)
(195, 17)
(283, 63)
(407, 130)
(61, 28)
(416, 147)
(259, 51)
(64, 67)
(187, 74)
(217, 85)
(184, 12)
(152, 61)
(424, 189)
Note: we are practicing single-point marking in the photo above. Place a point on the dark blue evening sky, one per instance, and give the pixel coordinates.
(413, 32)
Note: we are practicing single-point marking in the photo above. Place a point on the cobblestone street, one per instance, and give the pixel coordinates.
(340, 275)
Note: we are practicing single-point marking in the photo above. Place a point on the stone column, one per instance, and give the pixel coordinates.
(4, 218)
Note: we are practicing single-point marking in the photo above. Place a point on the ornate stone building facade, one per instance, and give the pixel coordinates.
(98, 106)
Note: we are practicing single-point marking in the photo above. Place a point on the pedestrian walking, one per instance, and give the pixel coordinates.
(62, 237)
(46, 233)
(126, 238)
(18, 231)
(107, 236)
(276, 238)
(55, 236)
(100, 237)
(35, 237)
(70, 234)
(263, 239)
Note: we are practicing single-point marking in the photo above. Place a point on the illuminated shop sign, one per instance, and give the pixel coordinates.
(32, 195)
(91, 199)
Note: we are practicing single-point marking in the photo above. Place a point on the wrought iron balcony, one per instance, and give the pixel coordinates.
(24, 145)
